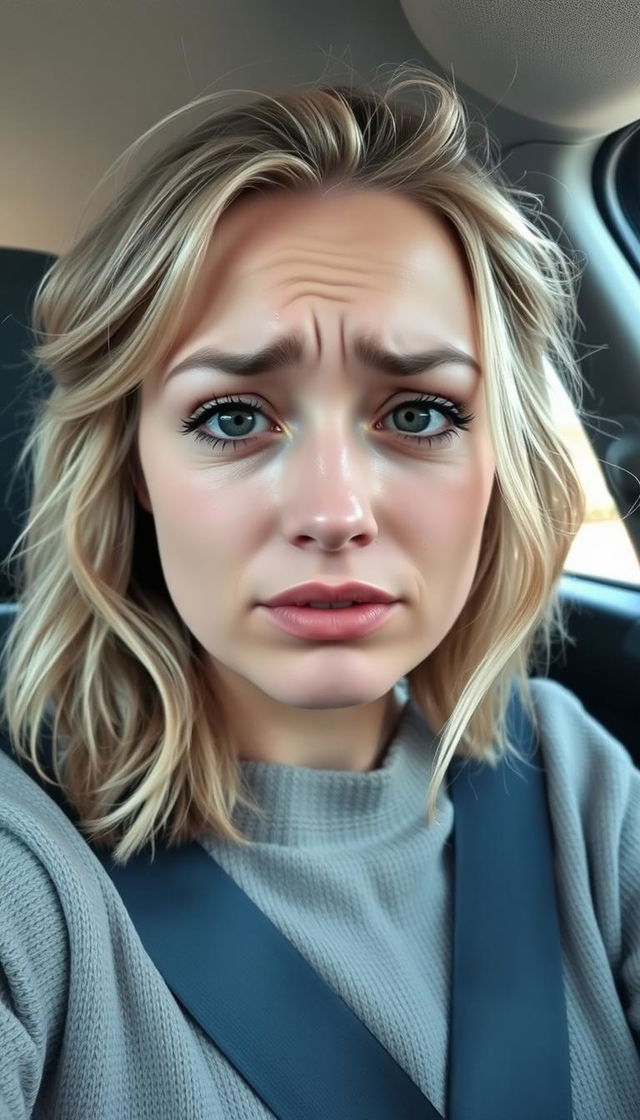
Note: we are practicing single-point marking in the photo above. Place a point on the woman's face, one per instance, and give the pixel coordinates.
(334, 480)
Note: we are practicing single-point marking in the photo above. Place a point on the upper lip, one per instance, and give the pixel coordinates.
(325, 593)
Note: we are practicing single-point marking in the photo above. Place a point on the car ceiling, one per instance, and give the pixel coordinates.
(80, 80)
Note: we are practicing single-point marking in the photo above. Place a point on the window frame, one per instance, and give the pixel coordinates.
(616, 164)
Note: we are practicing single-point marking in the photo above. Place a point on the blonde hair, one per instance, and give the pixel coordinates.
(140, 747)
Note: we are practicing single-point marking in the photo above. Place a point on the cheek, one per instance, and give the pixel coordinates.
(440, 522)
(201, 544)
(204, 536)
(445, 508)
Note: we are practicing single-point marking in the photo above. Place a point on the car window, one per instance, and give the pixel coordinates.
(602, 546)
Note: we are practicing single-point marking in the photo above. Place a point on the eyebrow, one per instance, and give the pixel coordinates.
(289, 350)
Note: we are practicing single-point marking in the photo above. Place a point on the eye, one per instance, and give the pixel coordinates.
(233, 415)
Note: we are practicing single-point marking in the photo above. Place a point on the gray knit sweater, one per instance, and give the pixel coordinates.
(347, 867)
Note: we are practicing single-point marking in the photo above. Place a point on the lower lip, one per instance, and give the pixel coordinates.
(331, 625)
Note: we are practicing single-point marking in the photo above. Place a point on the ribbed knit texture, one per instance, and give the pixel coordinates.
(346, 866)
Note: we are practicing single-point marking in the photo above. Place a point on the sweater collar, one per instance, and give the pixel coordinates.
(307, 807)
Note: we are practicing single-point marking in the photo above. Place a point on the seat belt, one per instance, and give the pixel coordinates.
(295, 1041)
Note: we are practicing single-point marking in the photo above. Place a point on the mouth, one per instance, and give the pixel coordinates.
(328, 622)
(337, 606)
(324, 596)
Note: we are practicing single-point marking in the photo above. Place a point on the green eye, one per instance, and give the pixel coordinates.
(418, 407)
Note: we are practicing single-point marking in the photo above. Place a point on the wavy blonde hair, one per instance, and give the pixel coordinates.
(140, 747)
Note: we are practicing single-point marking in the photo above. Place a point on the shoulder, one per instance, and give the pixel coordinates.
(593, 783)
(27, 811)
(565, 720)
(593, 791)
(56, 897)
(39, 845)
(34, 929)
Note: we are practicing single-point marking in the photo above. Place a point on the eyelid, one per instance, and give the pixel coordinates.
(408, 396)
(200, 409)
(449, 410)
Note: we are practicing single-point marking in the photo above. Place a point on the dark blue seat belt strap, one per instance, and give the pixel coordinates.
(509, 1043)
(294, 1040)
(297, 1043)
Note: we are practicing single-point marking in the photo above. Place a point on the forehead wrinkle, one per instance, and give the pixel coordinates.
(365, 276)
(358, 265)
(282, 254)
(303, 286)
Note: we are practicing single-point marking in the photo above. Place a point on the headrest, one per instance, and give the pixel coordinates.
(20, 272)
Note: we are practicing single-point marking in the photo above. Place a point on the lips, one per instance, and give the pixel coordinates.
(306, 593)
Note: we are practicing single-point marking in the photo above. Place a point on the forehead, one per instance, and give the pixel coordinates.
(373, 254)
(340, 225)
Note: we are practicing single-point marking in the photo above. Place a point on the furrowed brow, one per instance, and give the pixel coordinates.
(289, 351)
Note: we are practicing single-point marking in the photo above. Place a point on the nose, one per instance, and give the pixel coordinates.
(327, 494)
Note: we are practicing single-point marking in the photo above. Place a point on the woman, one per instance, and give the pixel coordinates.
(311, 343)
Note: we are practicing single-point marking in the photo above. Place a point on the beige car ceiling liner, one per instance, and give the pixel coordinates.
(574, 64)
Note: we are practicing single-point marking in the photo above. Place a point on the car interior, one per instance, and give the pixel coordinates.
(558, 87)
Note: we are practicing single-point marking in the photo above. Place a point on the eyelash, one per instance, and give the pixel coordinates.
(449, 409)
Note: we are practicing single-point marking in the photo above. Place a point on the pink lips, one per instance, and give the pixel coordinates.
(315, 592)
(342, 624)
